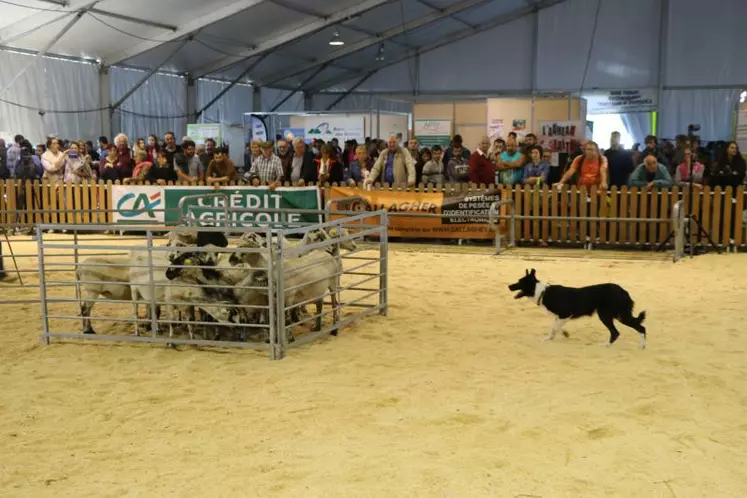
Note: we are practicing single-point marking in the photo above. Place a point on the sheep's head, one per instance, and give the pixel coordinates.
(340, 232)
(194, 266)
(317, 236)
(240, 259)
(252, 240)
(182, 238)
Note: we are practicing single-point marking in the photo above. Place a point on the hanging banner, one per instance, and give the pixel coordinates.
(160, 205)
(341, 127)
(453, 208)
(621, 101)
(258, 129)
(495, 129)
(430, 132)
(561, 136)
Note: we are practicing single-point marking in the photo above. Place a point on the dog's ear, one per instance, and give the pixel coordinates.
(526, 272)
(532, 272)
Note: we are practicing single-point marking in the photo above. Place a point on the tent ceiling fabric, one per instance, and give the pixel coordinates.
(109, 38)
(227, 36)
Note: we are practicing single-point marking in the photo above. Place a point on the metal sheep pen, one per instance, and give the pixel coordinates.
(353, 296)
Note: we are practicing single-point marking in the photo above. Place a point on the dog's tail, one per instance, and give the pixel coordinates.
(641, 316)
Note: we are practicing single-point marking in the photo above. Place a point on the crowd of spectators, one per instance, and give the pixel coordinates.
(505, 162)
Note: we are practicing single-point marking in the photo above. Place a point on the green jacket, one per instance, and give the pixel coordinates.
(662, 179)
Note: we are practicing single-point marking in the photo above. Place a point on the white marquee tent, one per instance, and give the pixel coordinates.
(80, 68)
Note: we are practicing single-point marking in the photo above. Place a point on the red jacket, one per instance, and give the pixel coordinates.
(481, 169)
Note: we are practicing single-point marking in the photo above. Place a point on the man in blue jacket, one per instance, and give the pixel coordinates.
(651, 174)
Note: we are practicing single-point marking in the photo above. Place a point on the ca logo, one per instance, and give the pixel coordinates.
(142, 204)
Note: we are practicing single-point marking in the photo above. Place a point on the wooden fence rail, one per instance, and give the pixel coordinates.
(721, 211)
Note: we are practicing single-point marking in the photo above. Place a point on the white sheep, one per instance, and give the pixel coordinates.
(108, 278)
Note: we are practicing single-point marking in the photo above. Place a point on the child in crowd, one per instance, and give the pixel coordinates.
(358, 169)
(109, 169)
(162, 172)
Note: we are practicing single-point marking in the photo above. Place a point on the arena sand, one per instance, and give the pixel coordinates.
(452, 395)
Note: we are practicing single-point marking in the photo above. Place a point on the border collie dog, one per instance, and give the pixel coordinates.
(610, 301)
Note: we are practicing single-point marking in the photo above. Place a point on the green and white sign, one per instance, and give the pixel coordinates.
(160, 205)
(430, 132)
(199, 133)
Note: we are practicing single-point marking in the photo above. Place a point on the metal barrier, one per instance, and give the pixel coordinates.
(252, 294)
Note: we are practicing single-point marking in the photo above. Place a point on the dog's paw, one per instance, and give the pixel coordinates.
(642, 346)
(606, 344)
(566, 334)
(547, 338)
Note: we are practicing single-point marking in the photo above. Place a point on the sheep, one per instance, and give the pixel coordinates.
(183, 270)
(140, 272)
(255, 240)
(308, 278)
(109, 278)
(196, 269)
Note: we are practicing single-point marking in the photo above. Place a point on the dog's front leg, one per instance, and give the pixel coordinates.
(557, 326)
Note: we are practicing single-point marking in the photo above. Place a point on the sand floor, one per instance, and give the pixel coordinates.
(452, 395)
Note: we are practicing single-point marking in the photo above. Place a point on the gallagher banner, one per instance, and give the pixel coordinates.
(460, 215)
(160, 205)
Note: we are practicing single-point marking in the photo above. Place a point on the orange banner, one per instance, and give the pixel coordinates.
(459, 215)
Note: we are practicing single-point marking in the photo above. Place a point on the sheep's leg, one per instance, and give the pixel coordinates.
(335, 313)
(170, 315)
(319, 310)
(190, 325)
(158, 317)
(85, 312)
(135, 296)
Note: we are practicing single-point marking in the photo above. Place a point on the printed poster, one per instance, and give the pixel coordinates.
(463, 215)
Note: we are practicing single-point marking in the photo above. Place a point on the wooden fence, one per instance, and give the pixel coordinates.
(720, 211)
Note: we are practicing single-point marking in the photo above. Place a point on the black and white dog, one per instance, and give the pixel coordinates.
(610, 301)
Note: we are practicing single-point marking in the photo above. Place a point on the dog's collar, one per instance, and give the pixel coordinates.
(539, 292)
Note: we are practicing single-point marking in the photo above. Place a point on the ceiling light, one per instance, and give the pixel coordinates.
(380, 54)
(336, 40)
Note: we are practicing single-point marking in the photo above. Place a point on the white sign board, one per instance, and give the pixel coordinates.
(495, 129)
(430, 132)
(621, 101)
(340, 127)
(561, 136)
(137, 205)
(432, 127)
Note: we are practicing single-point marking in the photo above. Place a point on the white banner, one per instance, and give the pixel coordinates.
(621, 101)
(340, 127)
